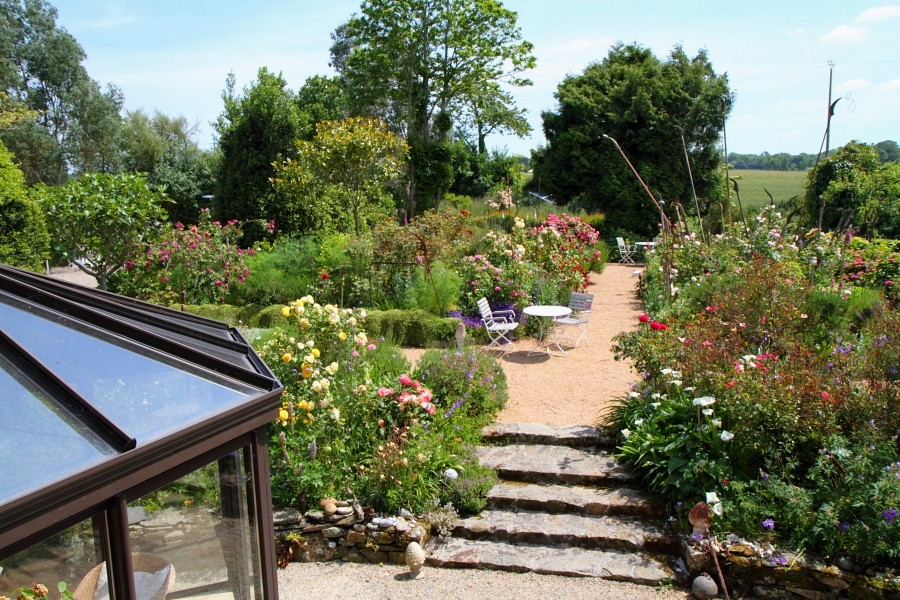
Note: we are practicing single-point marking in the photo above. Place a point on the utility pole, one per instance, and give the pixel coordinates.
(830, 108)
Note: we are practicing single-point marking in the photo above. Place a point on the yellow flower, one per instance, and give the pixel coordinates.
(310, 406)
(282, 415)
(342, 336)
(332, 368)
(306, 371)
(310, 358)
(315, 352)
(302, 404)
(286, 311)
(304, 322)
(317, 386)
(286, 357)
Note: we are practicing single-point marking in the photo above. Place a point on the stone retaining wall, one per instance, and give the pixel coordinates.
(757, 572)
(350, 534)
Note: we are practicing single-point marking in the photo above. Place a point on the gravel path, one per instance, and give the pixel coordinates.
(351, 581)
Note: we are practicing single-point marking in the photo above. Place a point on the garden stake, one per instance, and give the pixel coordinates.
(713, 554)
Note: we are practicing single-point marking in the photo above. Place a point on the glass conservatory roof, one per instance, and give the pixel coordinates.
(86, 375)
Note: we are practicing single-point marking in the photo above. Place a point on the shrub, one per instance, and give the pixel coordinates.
(414, 328)
(470, 382)
(438, 291)
(24, 241)
(278, 275)
(192, 265)
(467, 492)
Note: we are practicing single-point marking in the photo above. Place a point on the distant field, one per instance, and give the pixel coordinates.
(781, 184)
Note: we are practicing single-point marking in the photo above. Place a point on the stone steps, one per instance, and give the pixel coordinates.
(577, 562)
(574, 436)
(574, 499)
(543, 463)
(595, 532)
(563, 506)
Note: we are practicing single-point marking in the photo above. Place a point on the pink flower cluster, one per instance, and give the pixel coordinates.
(654, 325)
(411, 394)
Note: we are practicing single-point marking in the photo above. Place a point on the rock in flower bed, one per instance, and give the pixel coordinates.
(345, 530)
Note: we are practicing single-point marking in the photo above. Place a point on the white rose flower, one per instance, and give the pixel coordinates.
(726, 436)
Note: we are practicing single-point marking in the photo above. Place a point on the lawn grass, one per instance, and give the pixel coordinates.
(783, 185)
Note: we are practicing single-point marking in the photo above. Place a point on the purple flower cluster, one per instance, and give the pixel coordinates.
(889, 515)
(768, 524)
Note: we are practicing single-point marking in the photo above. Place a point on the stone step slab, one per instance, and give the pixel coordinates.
(616, 533)
(575, 436)
(576, 499)
(606, 564)
(543, 463)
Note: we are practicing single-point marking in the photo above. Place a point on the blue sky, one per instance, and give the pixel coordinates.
(174, 55)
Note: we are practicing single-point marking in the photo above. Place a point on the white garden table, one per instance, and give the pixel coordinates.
(546, 314)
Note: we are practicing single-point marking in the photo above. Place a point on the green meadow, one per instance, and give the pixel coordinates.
(753, 183)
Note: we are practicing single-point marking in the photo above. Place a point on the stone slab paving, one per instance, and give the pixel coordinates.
(553, 464)
(571, 499)
(539, 433)
(564, 530)
(605, 564)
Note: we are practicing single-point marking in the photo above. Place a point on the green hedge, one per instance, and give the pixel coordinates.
(416, 328)
(24, 241)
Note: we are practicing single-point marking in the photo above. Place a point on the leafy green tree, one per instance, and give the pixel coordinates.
(349, 162)
(42, 68)
(888, 151)
(835, 188)
(24, 241)
(880, 210)
(163, 147)
(640, 101)
(320, 99)
(256, 131)
(95, 220)
(418, 63)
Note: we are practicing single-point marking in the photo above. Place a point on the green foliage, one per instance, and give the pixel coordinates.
(355, 423)
(772, 383)
(256, 131)
(470, 383)
(836, 189)
(436, 291)
(192, 265)
(416, 61)
(278, 274)
(76, 122)
(414, 328)
(468, 492)
(24, 241)
(96, 219)
(341, 175)
(638, 100)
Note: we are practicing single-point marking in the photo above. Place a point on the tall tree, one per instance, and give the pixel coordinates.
(320, 99)
(24, 241)
(163, 147)
(415, 64)
(41, 67)
(256, 131)
(348, 163)
(641, 102)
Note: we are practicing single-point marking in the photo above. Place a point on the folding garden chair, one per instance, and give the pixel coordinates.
(498, 324)
(626, 251)
(580, 303)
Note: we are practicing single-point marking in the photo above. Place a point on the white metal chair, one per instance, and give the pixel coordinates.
(626, 251)
(580, 303)
(498, 324)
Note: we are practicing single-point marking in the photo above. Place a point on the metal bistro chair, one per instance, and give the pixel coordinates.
(580, 303)
(498, 324)
(626, 251)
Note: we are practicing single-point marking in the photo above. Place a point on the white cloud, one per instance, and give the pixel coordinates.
(881, 13)
(893, 84)
(846, 33)
(797, 32)
(855, 84)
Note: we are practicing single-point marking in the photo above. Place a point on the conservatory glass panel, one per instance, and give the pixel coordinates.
(202, 526)
(70, 556)
(36, 433)
(145, 393)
